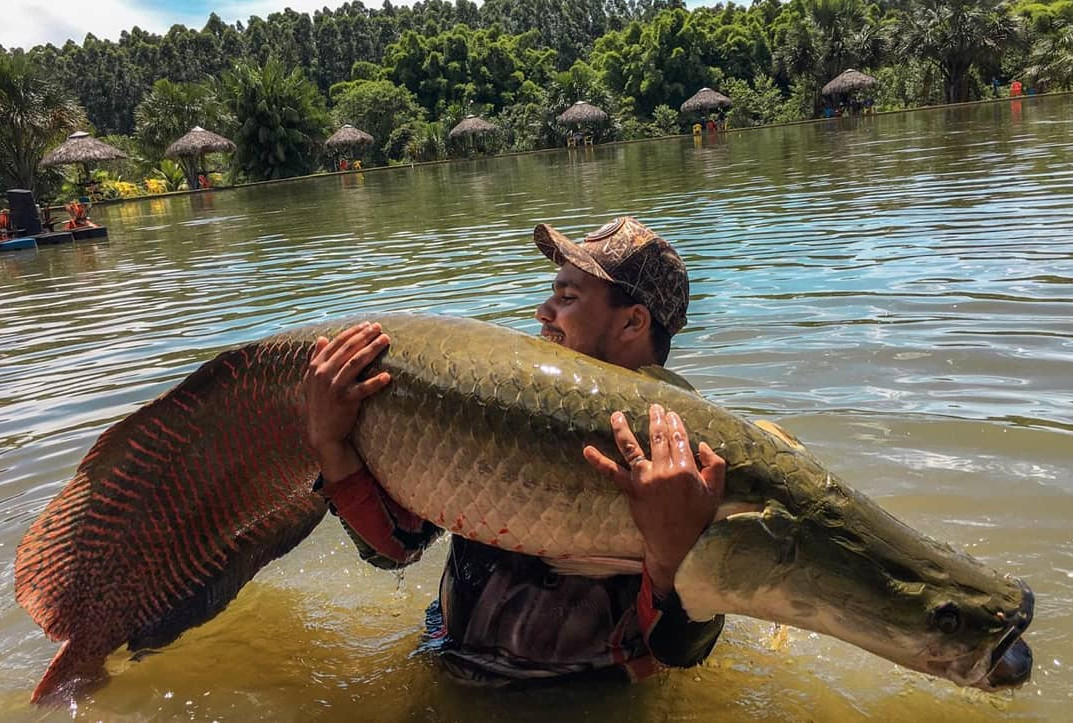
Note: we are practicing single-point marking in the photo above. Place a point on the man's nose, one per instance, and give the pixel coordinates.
(543, 313)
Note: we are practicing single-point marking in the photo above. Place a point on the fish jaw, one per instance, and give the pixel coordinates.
(776, 566)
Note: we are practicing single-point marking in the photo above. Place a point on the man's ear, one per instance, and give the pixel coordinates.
(638, 321)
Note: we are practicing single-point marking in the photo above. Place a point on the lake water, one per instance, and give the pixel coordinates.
(896, 291)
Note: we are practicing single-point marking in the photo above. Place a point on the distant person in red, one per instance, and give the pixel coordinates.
(1015, 88)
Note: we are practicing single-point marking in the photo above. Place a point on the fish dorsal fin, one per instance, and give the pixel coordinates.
(776, 431)
(663, 374)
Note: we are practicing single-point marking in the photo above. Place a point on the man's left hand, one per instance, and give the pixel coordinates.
(671, 501)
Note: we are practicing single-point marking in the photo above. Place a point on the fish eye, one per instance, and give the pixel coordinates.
(947, 618)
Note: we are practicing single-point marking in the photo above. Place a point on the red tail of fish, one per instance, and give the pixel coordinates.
(171, 512)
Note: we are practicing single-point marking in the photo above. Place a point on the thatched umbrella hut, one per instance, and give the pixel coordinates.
(81, 148)
(346, 139)
(191, 150)
(471, 125)
(582, 112)
(849, 81)
(706, 100)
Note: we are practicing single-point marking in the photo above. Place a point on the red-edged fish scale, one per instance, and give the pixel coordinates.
(171, 501)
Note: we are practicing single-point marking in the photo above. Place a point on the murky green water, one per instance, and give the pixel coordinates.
(898, 292)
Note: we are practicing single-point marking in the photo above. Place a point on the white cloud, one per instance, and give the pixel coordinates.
(33, 22)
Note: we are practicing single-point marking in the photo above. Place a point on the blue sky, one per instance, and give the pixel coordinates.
(33, 22)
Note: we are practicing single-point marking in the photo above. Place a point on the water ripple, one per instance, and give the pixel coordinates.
(897, 290)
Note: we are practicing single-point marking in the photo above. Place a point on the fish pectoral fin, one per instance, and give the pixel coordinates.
(734, 560)
(595, 566)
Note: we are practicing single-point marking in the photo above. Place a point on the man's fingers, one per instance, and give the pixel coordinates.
(713, 470)
(707, 456)
(681, 455)
(658, 434)
(359, 339)
(367, 388)
(625, 441)
(607, 466)
(318, 347)
(344, 336)
(358, 357)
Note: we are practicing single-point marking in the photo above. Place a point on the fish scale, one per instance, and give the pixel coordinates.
(511, 475)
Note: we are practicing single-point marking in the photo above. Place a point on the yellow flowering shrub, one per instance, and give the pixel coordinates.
(155, 185)
(119, 189)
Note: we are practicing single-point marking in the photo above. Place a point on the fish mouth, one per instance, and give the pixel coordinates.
(1011, 663)
(1011, 658)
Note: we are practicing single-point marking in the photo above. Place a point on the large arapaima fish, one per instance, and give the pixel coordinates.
(177, 506)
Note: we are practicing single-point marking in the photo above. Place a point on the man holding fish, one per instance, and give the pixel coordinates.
(502, 617)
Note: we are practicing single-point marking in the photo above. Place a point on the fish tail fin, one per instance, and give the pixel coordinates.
(173, 510)
(71, 671)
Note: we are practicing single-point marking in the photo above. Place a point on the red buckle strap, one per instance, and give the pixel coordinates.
(647, 612)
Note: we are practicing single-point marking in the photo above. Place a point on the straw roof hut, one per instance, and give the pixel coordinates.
(191, 150)
(81, 147)
(705, 100)
(471, 125)
(849, 81)
(198, 142)
(348, 136)
(582, 112)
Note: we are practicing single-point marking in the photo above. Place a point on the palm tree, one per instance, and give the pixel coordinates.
(280, 118)
(1051, 59)
(954, 36)
(36, 113)
(171, 109)
(822, 38)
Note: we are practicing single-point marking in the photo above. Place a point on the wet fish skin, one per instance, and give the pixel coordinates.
(481, 431)
(498, 422)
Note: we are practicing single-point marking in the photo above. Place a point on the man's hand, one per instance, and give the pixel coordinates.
(670, 500)
(332, 395)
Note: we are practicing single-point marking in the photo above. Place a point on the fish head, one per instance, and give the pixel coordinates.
(834, 562)
(920, 603)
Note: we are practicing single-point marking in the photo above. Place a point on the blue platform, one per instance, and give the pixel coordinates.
(18, 243)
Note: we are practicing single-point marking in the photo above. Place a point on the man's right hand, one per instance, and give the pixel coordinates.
(332, 395)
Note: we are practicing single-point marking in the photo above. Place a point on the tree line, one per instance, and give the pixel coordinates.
(278, 86)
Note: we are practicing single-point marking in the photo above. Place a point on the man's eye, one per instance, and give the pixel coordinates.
(567, 298)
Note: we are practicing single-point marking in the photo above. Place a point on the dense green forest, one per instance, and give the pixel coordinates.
(279, 86)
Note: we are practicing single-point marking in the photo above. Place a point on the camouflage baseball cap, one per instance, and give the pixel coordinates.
(626, 252)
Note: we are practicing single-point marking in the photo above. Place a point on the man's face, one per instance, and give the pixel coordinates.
(579, 315)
